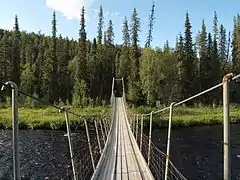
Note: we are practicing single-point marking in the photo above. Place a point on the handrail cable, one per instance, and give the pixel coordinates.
(192, 97)
(44, 102)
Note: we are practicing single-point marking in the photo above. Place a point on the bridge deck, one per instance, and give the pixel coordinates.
(121, 158)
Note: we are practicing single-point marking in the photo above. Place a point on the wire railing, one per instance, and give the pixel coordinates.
(159, 162)
(74, 156)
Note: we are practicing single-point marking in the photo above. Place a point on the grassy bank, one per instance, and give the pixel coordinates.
(49, 118)
(186, 117)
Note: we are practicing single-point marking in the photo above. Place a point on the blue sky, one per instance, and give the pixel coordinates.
(35, 15)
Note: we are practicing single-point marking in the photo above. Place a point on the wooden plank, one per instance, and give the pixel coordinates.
(119, 167)
(135, 175)
(124, 176)
(118, 176)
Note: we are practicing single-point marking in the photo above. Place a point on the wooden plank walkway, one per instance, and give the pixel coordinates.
(121, 159)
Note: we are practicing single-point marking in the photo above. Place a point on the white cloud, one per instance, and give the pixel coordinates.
(69, 8)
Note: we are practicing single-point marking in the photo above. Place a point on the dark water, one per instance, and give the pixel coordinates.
(42, 154)
(197, 152)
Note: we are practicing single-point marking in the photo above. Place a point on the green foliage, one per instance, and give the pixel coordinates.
(64, 71)
(79, 95)
(27, 79)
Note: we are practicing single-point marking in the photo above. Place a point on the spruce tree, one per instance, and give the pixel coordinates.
(215, 26)
(150, 26)
(235, 45)
(203, 58)
(50, 73)
(111, 49)
(134, 90)
(222, 42)
(80, 84)
(223, 50)
(110, 34)
(16, 53)
(100, 26)
(180, 59)
(124, 68)
(188, 64)
(215, 63)
(54, 82)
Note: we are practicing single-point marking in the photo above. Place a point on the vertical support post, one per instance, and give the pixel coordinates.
(226, 128)
(107, 124)
(133, 124)
(169, 139)
(102, 132)
(137, 128)
(89, 144)
(124, 97)
(150, 140)
(105, 129)
(15, 131)
(141, 134)
(70, 144)
(99, 144)
(112, 95)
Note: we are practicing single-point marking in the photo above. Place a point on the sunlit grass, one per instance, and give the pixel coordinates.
(185, 117)
(49, 118)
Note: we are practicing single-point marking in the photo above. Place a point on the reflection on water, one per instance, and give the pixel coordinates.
(197, 152)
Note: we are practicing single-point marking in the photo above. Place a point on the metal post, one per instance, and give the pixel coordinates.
(107, 124)
(70, 144)
(226, 128)
(112, 95)
(102, 132)
(150, 141)
(15, 130)
(99, 144)
(89, 144)
(104, 125)
(141, 134)
(124, 97)
(169, 139)
(137, 128)
(133, 124)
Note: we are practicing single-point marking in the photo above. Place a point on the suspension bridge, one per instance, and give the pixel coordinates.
(114, 146)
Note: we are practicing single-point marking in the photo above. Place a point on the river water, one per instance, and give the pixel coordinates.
(196, 151)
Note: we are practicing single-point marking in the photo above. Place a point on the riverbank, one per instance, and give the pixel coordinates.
(186, 117)
(50, 118)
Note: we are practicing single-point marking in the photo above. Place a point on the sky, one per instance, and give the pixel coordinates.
(36, 15)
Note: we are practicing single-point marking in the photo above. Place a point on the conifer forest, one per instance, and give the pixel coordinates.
(79, 72)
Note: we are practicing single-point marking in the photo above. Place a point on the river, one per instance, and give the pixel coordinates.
(196, 151)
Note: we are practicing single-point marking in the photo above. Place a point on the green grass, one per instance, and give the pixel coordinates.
(50, 118)
(186, 117)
